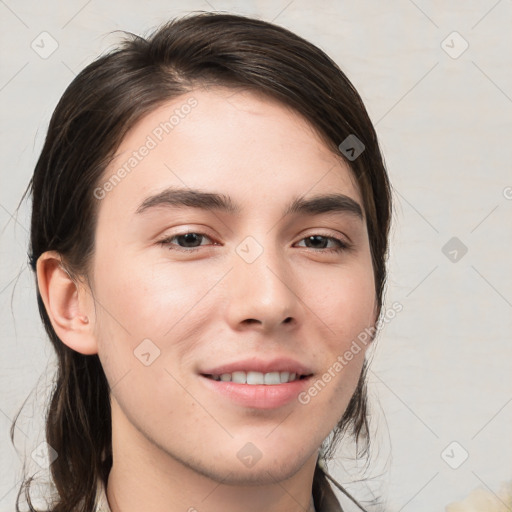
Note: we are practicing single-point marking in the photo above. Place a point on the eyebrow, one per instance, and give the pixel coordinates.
(316, 205)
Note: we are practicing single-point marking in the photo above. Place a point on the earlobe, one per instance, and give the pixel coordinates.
(67, 303)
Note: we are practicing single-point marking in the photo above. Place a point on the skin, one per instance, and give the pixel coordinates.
(175, 442)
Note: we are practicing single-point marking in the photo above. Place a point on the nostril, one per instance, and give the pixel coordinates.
(252, 321)
(288, 320)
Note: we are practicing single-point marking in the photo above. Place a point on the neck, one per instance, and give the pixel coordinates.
(145, 477)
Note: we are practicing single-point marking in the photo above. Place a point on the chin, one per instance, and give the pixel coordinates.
(261, 474)
(265, 471)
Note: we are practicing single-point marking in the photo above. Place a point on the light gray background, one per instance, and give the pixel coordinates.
(441, 369)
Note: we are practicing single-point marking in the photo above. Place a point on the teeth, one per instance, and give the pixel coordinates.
(255, 378)
(271, 378)
(239, 377)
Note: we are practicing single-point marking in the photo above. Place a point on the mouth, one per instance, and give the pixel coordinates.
(257, 383)
(257, 378)
(257, 390)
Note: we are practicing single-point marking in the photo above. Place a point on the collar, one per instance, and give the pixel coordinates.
(101, 498)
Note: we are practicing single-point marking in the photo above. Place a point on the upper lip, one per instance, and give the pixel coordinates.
(281, 364)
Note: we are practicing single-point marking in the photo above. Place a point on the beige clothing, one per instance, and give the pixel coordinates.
(102, 502)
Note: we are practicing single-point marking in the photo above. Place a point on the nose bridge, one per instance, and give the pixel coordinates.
(262, 287)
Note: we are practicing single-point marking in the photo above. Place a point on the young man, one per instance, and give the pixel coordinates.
(213, 250)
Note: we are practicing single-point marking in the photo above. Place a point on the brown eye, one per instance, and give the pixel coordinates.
(322, 242)
(189, 239)
(185, 241)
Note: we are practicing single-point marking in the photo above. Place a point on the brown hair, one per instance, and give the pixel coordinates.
(95, 112)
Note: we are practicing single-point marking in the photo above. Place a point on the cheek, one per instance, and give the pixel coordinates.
(156, 309)
(345, 302)
(154, 395)
(150, 300)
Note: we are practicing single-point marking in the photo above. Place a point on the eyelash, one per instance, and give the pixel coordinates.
(342, 245)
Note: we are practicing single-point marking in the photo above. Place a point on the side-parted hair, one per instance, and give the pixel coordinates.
(91, 119)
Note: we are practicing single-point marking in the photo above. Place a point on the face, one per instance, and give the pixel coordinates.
(230, 248)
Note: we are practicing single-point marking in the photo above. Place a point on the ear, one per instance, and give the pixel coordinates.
(68, 303)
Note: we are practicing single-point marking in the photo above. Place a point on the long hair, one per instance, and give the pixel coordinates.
(95, 112)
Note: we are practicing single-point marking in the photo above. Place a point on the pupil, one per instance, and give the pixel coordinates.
(317, 239)
(191, 239)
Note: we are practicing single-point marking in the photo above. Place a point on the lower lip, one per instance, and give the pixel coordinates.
(258, 396)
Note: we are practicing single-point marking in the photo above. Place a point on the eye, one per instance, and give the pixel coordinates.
(185, 241)
(192, 241)
(322, 242)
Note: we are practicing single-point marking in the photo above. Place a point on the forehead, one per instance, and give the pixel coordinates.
(234, 142)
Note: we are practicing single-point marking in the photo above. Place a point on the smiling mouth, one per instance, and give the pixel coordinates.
(257, 378)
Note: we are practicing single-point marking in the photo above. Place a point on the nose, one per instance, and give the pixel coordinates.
(262, 294)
